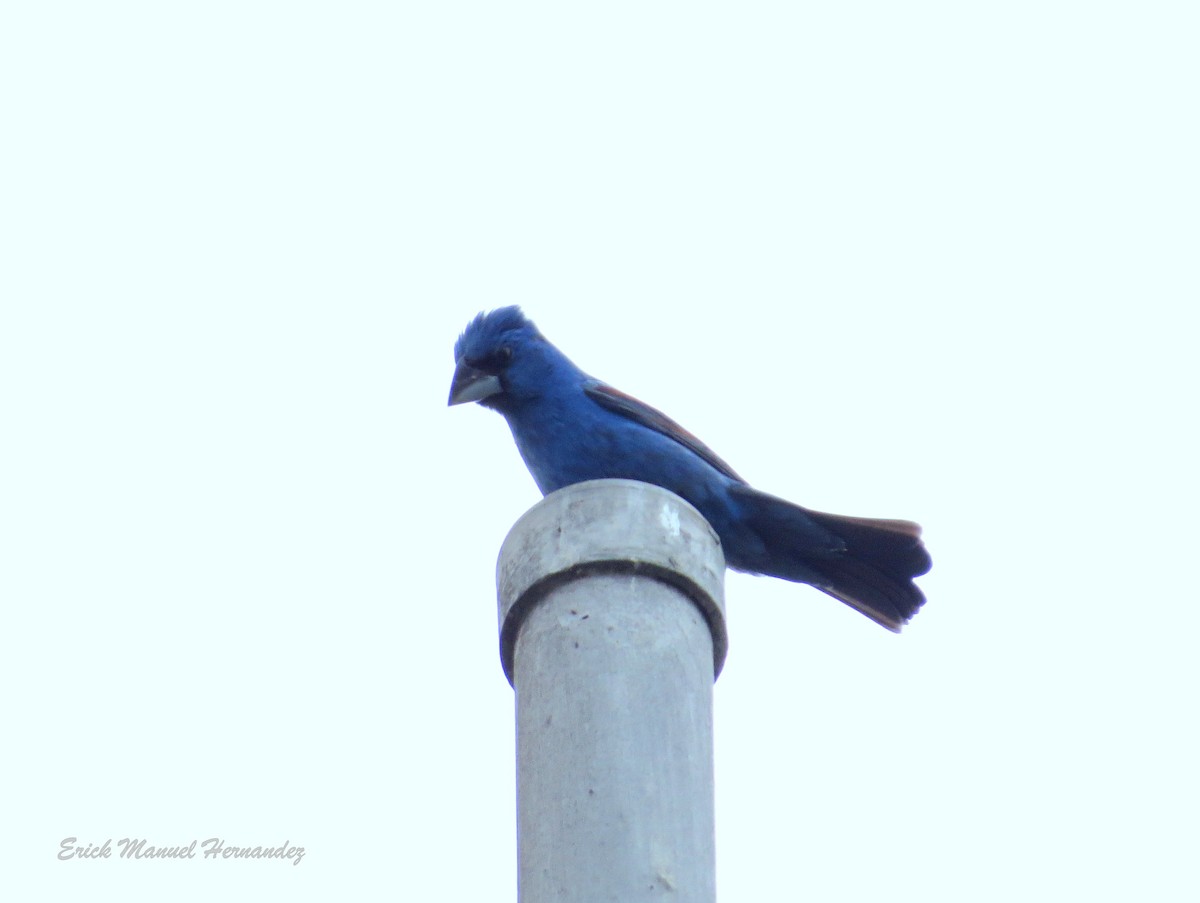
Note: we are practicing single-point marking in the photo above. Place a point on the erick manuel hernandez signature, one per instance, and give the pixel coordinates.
(213, 848)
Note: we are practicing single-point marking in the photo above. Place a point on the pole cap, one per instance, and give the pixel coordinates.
(610, 527)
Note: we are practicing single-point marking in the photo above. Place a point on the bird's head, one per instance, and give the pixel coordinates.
(496, 358)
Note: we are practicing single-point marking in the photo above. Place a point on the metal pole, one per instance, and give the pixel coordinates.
(612, 632)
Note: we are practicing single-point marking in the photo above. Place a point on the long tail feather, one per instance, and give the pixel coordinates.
(868, 563)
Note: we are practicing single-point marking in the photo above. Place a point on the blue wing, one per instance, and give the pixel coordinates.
(640, 412)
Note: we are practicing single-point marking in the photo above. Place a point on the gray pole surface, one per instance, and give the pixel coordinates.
(612, 632)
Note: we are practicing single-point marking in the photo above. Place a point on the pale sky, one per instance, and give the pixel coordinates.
(932, 261)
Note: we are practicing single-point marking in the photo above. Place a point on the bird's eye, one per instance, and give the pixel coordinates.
(494, 361)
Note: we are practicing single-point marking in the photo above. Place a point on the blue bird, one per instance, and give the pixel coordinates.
(570, 428)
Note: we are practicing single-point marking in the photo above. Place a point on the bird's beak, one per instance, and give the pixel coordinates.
(472, 384)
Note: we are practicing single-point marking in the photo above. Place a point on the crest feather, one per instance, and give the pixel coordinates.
(487, 331)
